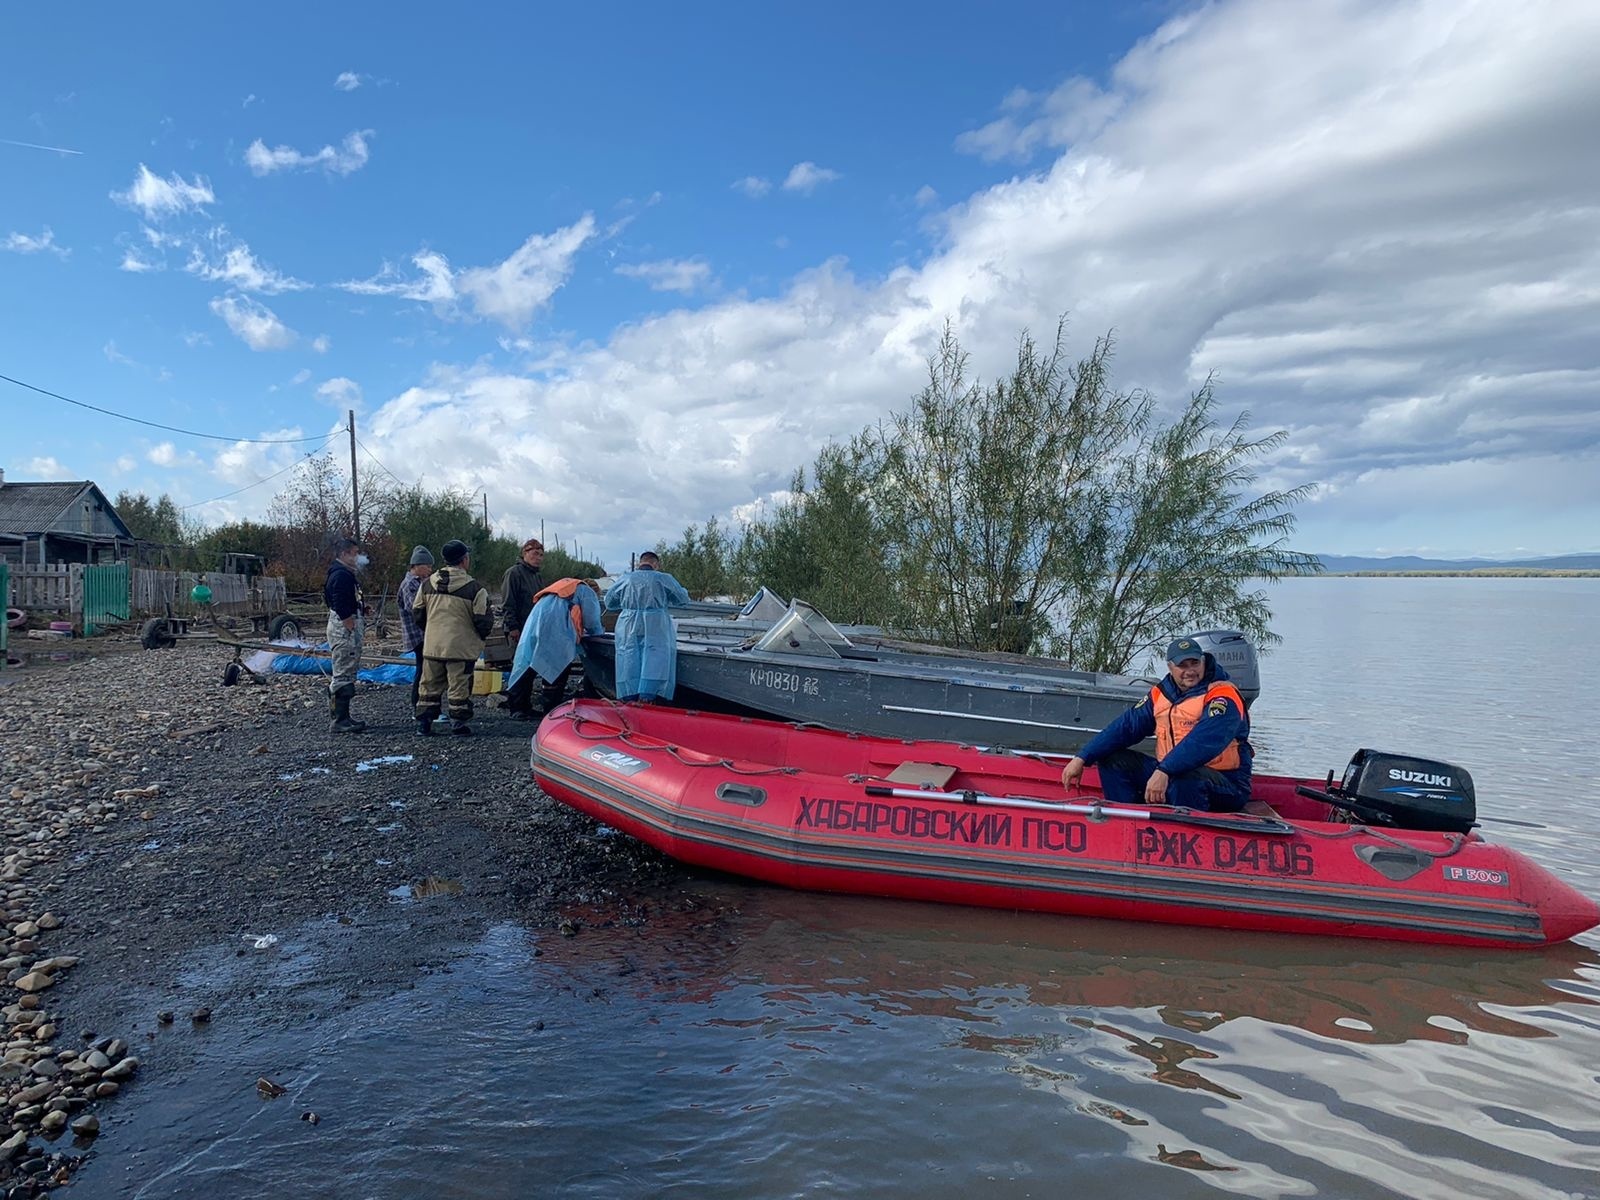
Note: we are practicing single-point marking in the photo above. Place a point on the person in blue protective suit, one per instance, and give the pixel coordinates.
(561, 614)
(1202, 734)
(647, 645)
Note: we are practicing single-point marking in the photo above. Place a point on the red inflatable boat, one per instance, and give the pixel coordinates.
(828, 811)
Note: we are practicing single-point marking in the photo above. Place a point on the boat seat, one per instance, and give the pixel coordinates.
(1259, 808)
(920, 774)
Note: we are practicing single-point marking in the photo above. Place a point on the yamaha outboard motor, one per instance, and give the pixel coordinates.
(1403, 792)
(1236, 654)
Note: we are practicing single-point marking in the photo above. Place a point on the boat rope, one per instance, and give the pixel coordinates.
(1458, 842)
(637, 741)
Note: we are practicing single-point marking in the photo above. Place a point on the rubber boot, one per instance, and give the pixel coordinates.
(461, 729)
(343, 722)
(425, 726)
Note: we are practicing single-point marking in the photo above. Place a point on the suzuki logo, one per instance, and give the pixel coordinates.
(1422, 778)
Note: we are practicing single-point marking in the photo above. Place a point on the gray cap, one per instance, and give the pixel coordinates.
(421, 557)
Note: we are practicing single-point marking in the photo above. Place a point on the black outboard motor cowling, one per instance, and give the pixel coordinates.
(1408, 793)
(1236, 654)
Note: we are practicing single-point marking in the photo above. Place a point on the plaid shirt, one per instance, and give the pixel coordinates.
(410, 632)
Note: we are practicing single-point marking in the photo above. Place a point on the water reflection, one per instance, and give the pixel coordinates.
(884, 956)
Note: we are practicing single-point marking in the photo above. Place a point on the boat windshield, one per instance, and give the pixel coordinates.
(821, 626)
(803, 630)
(765, 605)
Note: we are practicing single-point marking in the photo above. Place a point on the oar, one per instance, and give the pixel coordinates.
(1176, 816)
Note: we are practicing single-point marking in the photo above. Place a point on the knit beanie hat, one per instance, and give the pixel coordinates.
(421, 557)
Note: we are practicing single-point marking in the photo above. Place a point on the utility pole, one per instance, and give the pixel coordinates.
(486, 528)
(355, 499)
(541, 531)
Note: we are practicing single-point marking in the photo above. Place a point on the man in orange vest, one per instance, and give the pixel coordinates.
(1202, 734)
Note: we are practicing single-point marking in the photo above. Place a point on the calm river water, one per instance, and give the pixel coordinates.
(820, 1045)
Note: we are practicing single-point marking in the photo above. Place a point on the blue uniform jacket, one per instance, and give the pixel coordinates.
(340, 590)
(1209, 737)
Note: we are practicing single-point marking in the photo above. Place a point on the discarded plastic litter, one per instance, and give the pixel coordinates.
(260, 941)
(372, 764)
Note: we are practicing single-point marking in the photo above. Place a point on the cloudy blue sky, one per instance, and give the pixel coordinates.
(627, 270)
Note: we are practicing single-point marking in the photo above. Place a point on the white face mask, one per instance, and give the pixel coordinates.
(362, 560)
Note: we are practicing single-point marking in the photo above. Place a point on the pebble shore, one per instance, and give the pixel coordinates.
(152, 813)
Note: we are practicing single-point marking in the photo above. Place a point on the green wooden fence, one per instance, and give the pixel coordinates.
(105, 596)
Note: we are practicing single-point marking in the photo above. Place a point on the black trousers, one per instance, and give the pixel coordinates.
(519, 696)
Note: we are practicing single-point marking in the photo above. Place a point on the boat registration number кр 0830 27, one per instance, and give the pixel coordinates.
(784, 681)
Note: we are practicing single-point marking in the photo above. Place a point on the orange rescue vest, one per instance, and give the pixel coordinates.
(1174, 721)
(566, 589)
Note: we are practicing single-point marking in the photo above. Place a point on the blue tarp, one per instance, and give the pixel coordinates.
(304, 664)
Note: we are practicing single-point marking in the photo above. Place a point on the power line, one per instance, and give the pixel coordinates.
(379, 461)
(215, 437)
(309, 454)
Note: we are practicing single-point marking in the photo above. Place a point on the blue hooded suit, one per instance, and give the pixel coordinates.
(647, 644)
(549, 642)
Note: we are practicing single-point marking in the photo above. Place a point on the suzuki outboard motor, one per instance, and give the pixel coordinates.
(1236, 654)
(1403, 792)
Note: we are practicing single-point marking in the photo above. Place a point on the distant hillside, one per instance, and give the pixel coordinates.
(1338, 564)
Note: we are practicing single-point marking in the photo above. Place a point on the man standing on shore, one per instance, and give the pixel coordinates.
(410, 632)
(345, 609)
(453, 610)
(518, 588)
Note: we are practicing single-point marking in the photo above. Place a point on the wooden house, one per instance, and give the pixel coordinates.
(69, 522)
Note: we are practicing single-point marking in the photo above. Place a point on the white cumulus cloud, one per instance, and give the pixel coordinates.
(21, 243)
(239, 268)
(347, 81)
(1375, 222)
(753, 186)
(350, 157)
(807, 177)
(253, 323)
(156, 198)
(341, 392)
(670, 274)
(509, 292)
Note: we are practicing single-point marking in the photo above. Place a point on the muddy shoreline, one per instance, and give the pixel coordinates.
(169, 824)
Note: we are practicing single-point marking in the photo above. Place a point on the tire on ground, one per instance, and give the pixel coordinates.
(284, 628)
(154, 634)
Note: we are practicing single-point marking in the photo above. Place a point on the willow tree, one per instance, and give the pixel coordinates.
(983, 490)
(1178, 540)
(701, 560)
(829, 545)
(1048, 510)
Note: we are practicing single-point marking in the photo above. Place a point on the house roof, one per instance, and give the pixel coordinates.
(35, 507)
